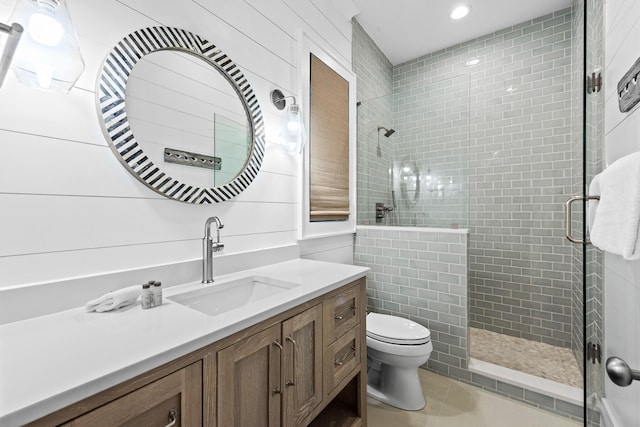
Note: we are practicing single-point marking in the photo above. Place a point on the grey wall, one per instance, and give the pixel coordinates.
(388, 291)
(521, 176)
(374, 89)
(577, 90)
(431, 115)
(519, 168)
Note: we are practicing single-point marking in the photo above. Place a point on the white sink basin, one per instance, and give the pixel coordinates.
(217, 298)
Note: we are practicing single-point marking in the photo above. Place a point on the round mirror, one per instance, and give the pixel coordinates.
(188, 118)
(180, 115)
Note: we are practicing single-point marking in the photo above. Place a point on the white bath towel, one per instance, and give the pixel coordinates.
(617, 219)
(114, 300)
(592, 205)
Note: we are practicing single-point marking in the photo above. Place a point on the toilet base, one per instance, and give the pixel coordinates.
(400, 388)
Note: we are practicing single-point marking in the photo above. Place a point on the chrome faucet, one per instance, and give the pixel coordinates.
(209, 247)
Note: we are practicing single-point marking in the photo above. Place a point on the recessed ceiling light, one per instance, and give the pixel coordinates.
(473, 61)
(460, 11)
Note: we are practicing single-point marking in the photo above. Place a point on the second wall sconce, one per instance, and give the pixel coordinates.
(47, 56)
(293, 135)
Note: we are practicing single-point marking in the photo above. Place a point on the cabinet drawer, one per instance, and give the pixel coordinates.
(176, 398)
(342, 357)
(341, 312)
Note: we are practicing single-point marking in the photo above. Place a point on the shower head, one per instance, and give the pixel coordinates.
(387, 132)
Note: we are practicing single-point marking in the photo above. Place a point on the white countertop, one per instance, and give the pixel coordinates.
(50, 362)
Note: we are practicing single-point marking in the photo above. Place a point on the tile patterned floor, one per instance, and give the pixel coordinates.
(539, 359)
(451, 403)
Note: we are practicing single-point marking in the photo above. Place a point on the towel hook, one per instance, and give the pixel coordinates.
(567, 224)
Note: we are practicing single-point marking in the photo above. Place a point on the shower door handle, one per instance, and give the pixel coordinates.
(567, 223)
(620, 373)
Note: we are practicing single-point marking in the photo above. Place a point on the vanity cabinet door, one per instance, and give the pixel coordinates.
(249, 381)
(302, 335)
(174, 400)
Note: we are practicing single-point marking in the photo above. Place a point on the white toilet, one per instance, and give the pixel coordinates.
(396, 347)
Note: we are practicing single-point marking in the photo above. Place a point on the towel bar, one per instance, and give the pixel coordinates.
(567, 226)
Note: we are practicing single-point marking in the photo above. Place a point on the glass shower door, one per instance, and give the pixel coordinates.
(593, 258)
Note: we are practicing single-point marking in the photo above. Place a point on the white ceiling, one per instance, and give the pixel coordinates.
(407, 29)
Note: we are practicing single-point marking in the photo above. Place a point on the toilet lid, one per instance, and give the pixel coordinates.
(396, 330)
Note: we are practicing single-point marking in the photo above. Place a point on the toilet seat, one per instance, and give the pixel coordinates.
(396, 330)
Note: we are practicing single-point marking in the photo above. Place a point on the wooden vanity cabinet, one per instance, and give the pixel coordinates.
(342, 312)
(305, 366)
(174, 400)
(249, 381)
(274, 377)
(345, 359)
(342, 315)
(321, 378)
(303, 359)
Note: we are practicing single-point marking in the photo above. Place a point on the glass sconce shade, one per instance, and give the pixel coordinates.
(48, 55)
(293, 136)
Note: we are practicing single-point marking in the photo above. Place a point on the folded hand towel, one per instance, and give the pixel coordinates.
(617, 220)
(114, 300)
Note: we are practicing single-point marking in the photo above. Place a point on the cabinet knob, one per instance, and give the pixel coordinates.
(276, 391)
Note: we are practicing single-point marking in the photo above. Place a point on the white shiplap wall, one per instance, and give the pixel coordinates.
(622, 278)
(69, 209)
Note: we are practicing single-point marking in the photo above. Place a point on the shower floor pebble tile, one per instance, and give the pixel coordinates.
(451, 403)
(542, 360)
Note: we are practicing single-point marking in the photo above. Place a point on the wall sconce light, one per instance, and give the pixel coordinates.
(292, 133)
(48, 55)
